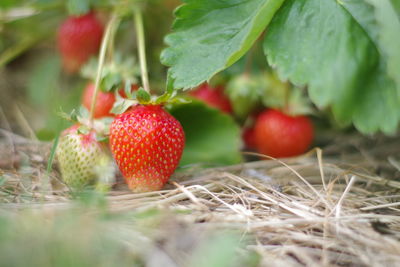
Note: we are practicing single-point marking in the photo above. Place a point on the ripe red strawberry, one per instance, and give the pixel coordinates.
(279, 135)
(79, 37)
(80, 156)
(104, 100)
(147, 144)
(214, 97)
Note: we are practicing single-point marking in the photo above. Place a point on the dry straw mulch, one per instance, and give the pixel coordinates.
(336, 207)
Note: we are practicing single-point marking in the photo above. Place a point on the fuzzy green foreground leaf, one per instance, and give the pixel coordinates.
(212, 35)
(321, 45)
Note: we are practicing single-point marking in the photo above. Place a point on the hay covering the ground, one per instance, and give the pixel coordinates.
(337, 207)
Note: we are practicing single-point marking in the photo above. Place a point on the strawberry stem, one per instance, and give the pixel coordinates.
(111, 26)
(141, 48)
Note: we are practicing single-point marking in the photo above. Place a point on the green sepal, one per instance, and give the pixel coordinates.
(83, 129)
(143, 96)
(78, 7)
(115, 74)
(102, 138)
(163, 98)
(128, 89)
(121, 105)
(111, 81)
(73, 116)
(180, 100)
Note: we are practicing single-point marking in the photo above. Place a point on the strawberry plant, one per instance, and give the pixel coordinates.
(239, 57)
(150, 105)
(344, 52)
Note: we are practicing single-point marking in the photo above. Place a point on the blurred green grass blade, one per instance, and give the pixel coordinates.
(52, 153)
(2, 180)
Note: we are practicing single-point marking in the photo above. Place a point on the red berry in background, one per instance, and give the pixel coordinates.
(79, 38)
(214, 97)
(249, 139)
(147, 144)
(279, 135)
(104, 100)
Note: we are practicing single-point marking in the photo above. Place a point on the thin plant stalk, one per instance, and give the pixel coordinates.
(112, 24)
(141, 48)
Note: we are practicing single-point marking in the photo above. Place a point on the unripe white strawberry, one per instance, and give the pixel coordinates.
(79, 156)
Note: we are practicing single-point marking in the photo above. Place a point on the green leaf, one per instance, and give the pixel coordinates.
(212, 35)
(211, 136)
(78, 7)
(320, 44)
(8, 3)
(381, 22)
(396, 5)
(378, 106)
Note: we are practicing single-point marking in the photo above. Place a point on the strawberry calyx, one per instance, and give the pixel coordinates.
(116, 74)
(88, 136)
(142, 97)
(104, 100)
(97, 130)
